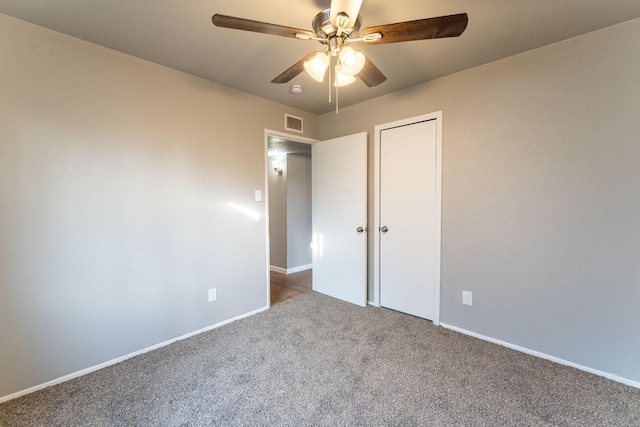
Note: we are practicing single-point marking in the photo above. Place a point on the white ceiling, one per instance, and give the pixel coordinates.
(179, 34)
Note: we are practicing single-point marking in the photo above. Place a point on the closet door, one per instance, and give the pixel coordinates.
(408, 239)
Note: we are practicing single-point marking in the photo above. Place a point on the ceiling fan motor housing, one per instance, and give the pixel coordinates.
(324, 28)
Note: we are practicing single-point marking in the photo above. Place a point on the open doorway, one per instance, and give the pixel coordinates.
(290, 216)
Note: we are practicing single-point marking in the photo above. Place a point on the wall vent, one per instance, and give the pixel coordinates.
(292, 123)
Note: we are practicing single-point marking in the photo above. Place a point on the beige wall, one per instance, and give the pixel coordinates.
(299, 224)
(126, 191)
(278, 216)
(540, 195)
(290, 213)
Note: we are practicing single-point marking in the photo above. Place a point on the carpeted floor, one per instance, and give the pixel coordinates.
(314, 360)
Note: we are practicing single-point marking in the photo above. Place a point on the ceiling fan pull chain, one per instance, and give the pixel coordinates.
(330, 80)
(337, 100)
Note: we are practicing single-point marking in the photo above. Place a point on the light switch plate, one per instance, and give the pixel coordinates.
(467, 298)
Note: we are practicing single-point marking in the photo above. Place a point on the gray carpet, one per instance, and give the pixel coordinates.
(317, 361)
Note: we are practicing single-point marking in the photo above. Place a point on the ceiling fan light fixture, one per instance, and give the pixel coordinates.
(317, 66)
(334, 28)
(351, 61)
(342, 79)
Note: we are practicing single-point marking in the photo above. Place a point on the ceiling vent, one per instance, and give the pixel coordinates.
(293, 123)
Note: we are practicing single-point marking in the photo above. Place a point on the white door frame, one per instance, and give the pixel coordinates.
(267, 165)
(437, 116)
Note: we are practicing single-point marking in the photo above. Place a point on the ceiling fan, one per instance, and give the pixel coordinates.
(337, 28)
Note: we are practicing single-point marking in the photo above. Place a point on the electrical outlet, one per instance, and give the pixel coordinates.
(213, 295)
(467, 298)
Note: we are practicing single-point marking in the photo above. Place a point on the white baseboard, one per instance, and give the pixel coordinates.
(290, 270)
(299, 268)
(128, 356)
(613, 377)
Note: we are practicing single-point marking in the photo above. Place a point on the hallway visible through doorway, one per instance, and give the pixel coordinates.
(287, 286)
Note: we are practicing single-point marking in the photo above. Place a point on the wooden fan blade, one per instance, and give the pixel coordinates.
(370, 74)
(257, 26)
(421, 29)
(294, 70)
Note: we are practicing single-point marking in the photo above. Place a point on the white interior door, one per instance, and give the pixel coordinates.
(340, 218)
(408, 218)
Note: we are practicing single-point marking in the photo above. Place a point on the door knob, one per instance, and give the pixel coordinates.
(360, 229)
(384, 229)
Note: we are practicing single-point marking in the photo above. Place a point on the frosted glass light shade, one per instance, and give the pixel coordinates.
(342, 79)
(351, 61)
(317, 66)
